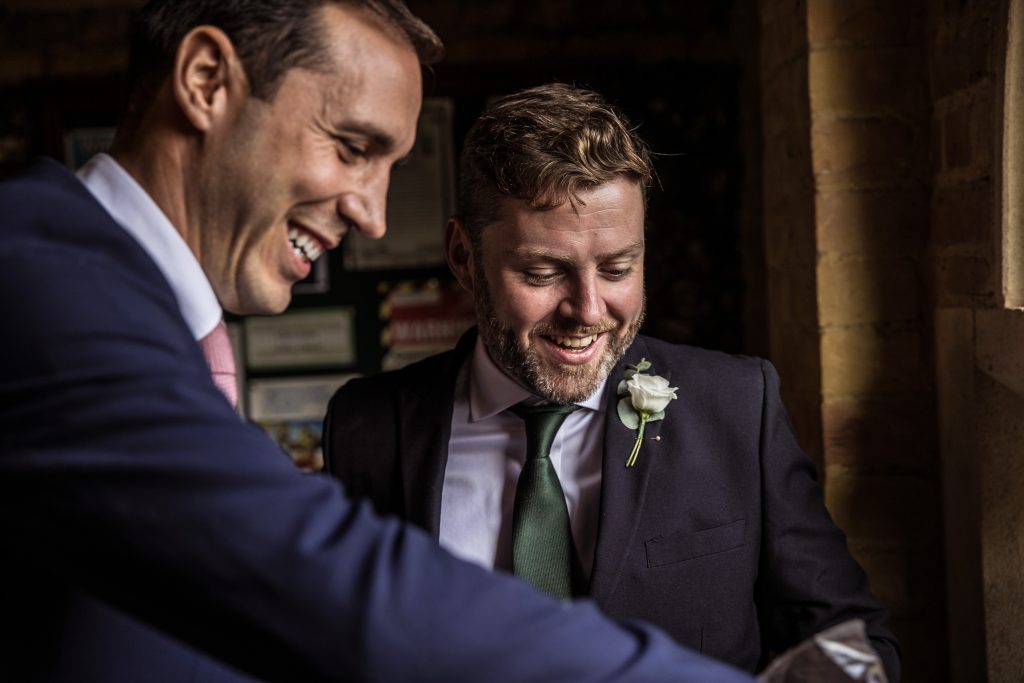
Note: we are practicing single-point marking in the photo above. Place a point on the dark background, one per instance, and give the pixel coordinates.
(684, 72)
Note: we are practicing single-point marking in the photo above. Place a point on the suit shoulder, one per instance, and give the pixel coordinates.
(383, 385)
(697, 361)
(45, 188)
(47, 210)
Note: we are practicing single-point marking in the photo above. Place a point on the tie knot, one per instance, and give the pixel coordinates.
(542, 423)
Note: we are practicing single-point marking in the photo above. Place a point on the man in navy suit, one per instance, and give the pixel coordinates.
(148, 533)
(708, 521)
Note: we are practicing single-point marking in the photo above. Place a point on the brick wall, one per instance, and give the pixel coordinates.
(980, 369)
(965, 42)
(870, 130)
(965, 60)
(847, 223)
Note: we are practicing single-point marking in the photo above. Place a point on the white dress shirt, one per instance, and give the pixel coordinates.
(486, 453)
(135, 211)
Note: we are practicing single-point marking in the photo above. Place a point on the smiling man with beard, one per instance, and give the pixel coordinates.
(716, 530)
(567, 297)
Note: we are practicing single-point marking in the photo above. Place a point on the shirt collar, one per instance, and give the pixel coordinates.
(491, 390)
(135, 211)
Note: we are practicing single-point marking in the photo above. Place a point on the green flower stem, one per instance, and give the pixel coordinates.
(631, 460)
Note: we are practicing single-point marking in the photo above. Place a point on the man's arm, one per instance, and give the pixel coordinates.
(808, 579)
(124, 473)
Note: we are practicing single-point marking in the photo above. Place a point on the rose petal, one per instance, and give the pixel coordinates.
(650, 394)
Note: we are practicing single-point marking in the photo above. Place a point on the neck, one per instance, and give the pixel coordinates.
(158, 164)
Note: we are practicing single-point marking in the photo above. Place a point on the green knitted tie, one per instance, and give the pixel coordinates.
(541, 536)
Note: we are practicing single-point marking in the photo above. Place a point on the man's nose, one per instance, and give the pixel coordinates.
(366, 208)
(583, 303)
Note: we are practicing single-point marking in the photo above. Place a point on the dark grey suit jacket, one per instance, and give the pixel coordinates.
(718, 535)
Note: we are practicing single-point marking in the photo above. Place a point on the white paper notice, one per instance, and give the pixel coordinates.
(306, 338)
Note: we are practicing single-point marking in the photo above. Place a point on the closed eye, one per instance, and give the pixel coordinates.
(541, 278)
(350, 149)
(616, 272)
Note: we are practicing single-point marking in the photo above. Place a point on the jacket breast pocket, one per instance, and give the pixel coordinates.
(679, 547)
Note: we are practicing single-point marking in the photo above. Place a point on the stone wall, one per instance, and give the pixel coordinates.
(870, 129)
(976, 208)
(847, 225)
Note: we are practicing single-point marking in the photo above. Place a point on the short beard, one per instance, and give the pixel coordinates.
(571, 384)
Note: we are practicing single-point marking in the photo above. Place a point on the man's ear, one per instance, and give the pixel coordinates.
(459, 251)
(207, 78)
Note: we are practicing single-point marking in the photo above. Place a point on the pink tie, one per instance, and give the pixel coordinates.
(220, 357)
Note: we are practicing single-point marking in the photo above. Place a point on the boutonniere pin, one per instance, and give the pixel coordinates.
(644, 398)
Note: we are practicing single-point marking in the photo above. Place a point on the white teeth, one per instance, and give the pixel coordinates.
(304, 246)
(575, 342)
(313, 250)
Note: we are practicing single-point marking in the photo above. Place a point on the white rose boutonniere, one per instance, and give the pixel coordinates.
(644, 399)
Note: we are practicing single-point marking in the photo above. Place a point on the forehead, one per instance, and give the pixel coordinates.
(608, 218)
(374, 74)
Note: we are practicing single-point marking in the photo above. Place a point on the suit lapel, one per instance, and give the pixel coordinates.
(622, 489)
(425, 425)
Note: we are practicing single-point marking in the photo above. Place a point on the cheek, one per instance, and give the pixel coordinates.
(309, 168)
(626, 304)
(522, 307)
(319, 175)
(270, 238)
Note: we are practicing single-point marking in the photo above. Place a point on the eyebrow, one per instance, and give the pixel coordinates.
(530, 253)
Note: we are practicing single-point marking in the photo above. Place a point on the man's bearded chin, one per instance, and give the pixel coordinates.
(560, 383)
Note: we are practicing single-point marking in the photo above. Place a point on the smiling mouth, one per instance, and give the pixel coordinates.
(572, 343)
(305, 247)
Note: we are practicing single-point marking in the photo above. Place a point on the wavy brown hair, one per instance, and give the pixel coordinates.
(546, 145)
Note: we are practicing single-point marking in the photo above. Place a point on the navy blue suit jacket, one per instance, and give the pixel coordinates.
(718, 534)
(142, 522)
